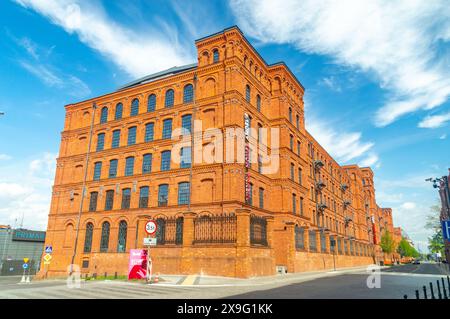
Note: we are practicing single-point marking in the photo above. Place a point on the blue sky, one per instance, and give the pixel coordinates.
(375, 73)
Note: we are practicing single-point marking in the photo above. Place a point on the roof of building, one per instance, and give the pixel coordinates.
(4, 226)
(158, 75)
(178, 69)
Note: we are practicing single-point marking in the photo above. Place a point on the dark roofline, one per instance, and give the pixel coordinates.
(251, 46)
(172, 70)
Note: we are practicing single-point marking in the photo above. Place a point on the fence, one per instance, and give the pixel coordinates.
(216, 229)
(258, 230)
(169, 231)
(443, 293)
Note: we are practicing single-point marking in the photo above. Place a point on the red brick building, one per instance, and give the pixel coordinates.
(230, 218)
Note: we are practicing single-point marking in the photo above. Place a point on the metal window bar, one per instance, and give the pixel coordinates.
(169, 231)
(216, 229)
(258, 231)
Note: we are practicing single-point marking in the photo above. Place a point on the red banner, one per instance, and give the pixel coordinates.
(137, 266)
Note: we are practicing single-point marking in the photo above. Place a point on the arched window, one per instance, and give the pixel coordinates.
(88, 238)
(104, 115)
(104, 241)
(188, 93)
(290, 115)
(258, 103)
(134, 107)
(119, 110)
(151, 103)
(247, 93)
(215, 56)
(170, 96)
(122, 239)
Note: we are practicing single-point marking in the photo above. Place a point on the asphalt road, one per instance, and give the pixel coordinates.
(395, 282)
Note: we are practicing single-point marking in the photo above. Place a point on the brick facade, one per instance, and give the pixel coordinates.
(231, 81)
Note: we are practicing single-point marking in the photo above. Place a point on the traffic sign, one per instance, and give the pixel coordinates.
(150, 227)
(48, 249)
(25, 260)
(25, 266)
(150, 241)
(47, 257)
(446, 229)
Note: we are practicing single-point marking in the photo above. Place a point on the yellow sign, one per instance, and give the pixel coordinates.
(25, 260)
(47, 258)
(46, 262)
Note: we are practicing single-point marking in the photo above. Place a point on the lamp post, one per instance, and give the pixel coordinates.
(443, 188)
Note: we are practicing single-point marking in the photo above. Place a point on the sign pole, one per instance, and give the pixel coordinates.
(150, 228)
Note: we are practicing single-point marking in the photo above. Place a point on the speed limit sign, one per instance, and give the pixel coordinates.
(150, 227)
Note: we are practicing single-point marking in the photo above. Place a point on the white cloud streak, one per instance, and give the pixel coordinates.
(435, 121)
(136, 54)
(398, 42)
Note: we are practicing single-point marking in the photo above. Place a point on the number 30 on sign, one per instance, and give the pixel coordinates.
(150, 227)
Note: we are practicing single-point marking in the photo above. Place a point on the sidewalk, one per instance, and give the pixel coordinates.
(205, 280)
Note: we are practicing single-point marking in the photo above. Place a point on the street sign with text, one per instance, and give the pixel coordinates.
(150, 227)
(446, 230)
(150, 241)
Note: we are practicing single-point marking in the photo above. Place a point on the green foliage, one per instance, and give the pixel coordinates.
(387, 242)
(406, 250)
(436, 243)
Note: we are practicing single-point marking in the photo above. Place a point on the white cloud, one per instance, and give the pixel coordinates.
(5, 157)
(27, 194)
(331, 82)
(136, 54)
(435, 121)
(398, 42)
(408, 205)
(345, 147)
(443, 137)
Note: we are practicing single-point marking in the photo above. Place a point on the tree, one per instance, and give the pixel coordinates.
(436, 241)
(406, 250)
(387, 242)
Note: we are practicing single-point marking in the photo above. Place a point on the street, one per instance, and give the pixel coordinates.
(347, 284)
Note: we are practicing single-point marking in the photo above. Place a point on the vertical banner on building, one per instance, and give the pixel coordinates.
(137, 266)
(373, 230)
(446, 230)
(247, 157)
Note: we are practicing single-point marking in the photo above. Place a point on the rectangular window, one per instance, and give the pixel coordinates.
(132, 135)
(167, 129)
(301, 206)
(165, 161)
(97, 171)
(291, 142)
(115, 139)
(292, 172)
(163, 195)
(100, 142)
(143, 197)
(261, 197)
(109, 200)
(147, 163)
(300, 176)
(294, 203)
(126, 198)
(260, 164)
(323, 243)
(113, 168)
(93, 202)
(312, 240)
(149, 132)
(185, 157)
(129, 166)
(298, 148)
(186, 124)
(183, 193)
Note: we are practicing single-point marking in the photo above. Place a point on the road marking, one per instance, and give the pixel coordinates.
(189, 280)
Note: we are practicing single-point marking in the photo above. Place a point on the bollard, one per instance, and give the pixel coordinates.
(432, 291)
(439, 289)
(443, 289)
(448, 284)
(425, 292)
(417, 294)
